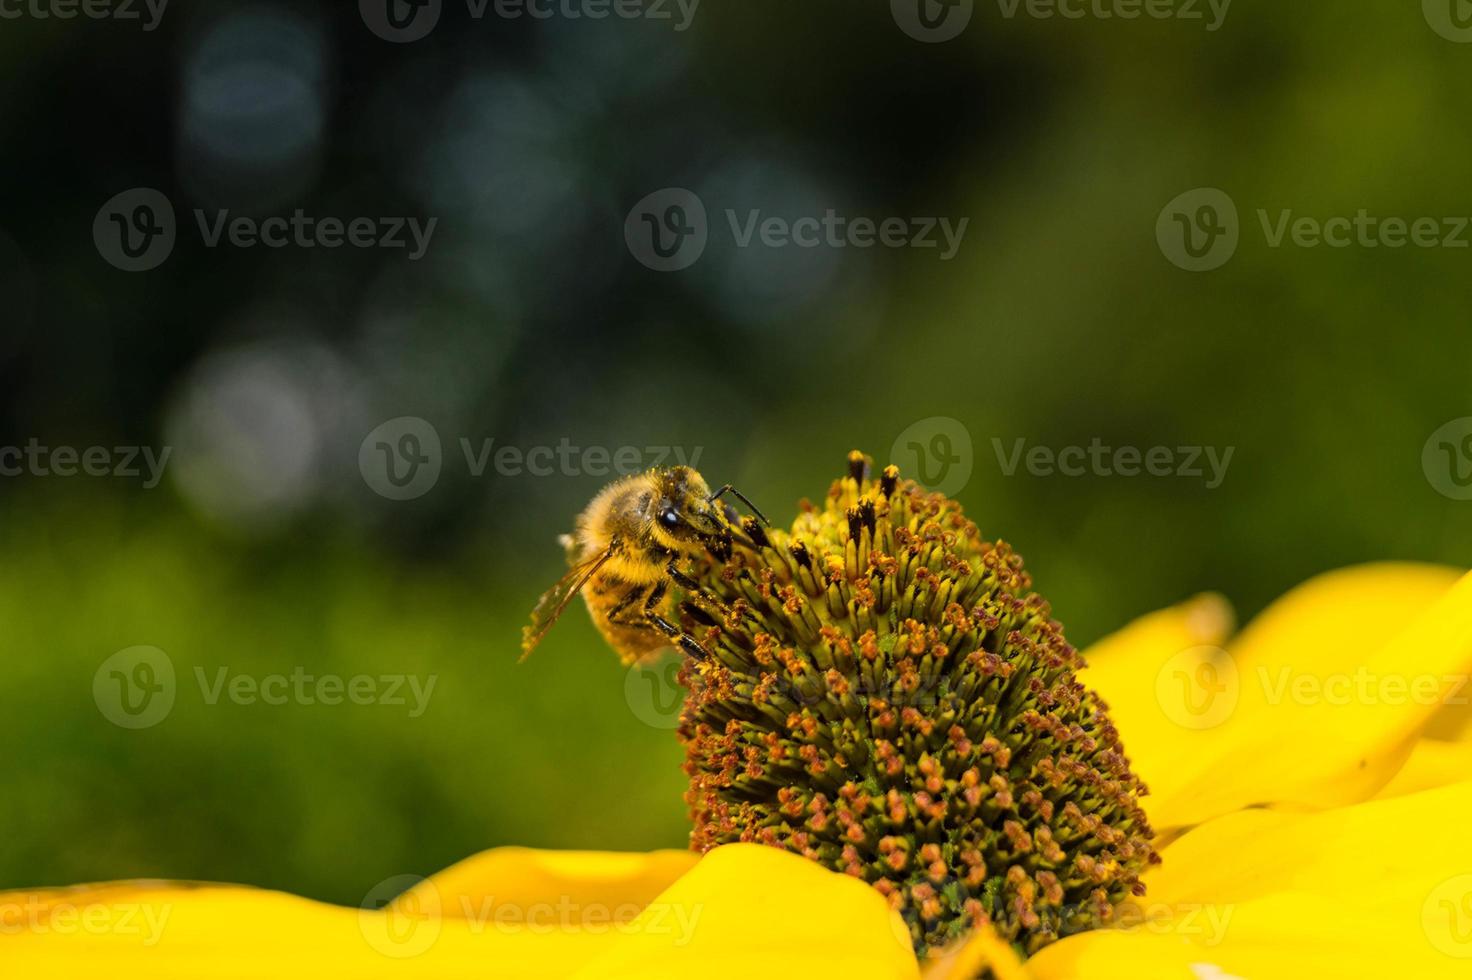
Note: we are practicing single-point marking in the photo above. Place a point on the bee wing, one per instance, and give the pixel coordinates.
(550, 607)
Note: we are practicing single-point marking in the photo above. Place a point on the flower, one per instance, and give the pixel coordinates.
(1307, 825)
(886, 697)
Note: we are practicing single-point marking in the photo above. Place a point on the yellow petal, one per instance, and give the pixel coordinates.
(1378, 889)
(1431, 765)
(172, 932)
(1322, 695)
(507, 912)
(1266, 939)
(1146, 642)
(526, 876)
(748, 910)
(1452, 721)
(1138, 671)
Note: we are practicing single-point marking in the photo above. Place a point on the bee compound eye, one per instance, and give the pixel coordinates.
(669, 517)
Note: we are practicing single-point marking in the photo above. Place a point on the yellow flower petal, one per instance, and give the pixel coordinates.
(1431, 765)
(174, 932)
(748, 910)
(1321, 696)
(1452, 722)
(526, 876)
(1267, 939)
(1378, 889)
(1146, 642)
(506, 913)
(1139, 670)
(527, 912)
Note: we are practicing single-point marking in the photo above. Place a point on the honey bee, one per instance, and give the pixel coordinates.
(626, 552)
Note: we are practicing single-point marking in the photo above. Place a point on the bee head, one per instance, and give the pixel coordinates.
(683, 515)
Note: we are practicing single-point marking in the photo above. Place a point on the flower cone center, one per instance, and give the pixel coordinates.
(887, 697)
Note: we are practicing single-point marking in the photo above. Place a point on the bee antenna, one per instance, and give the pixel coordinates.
(742, 497)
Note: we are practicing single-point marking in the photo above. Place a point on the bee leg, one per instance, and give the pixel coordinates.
(694, 588)
(681, 639)
(623, 605)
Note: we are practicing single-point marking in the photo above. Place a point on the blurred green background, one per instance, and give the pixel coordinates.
(1061, 320)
